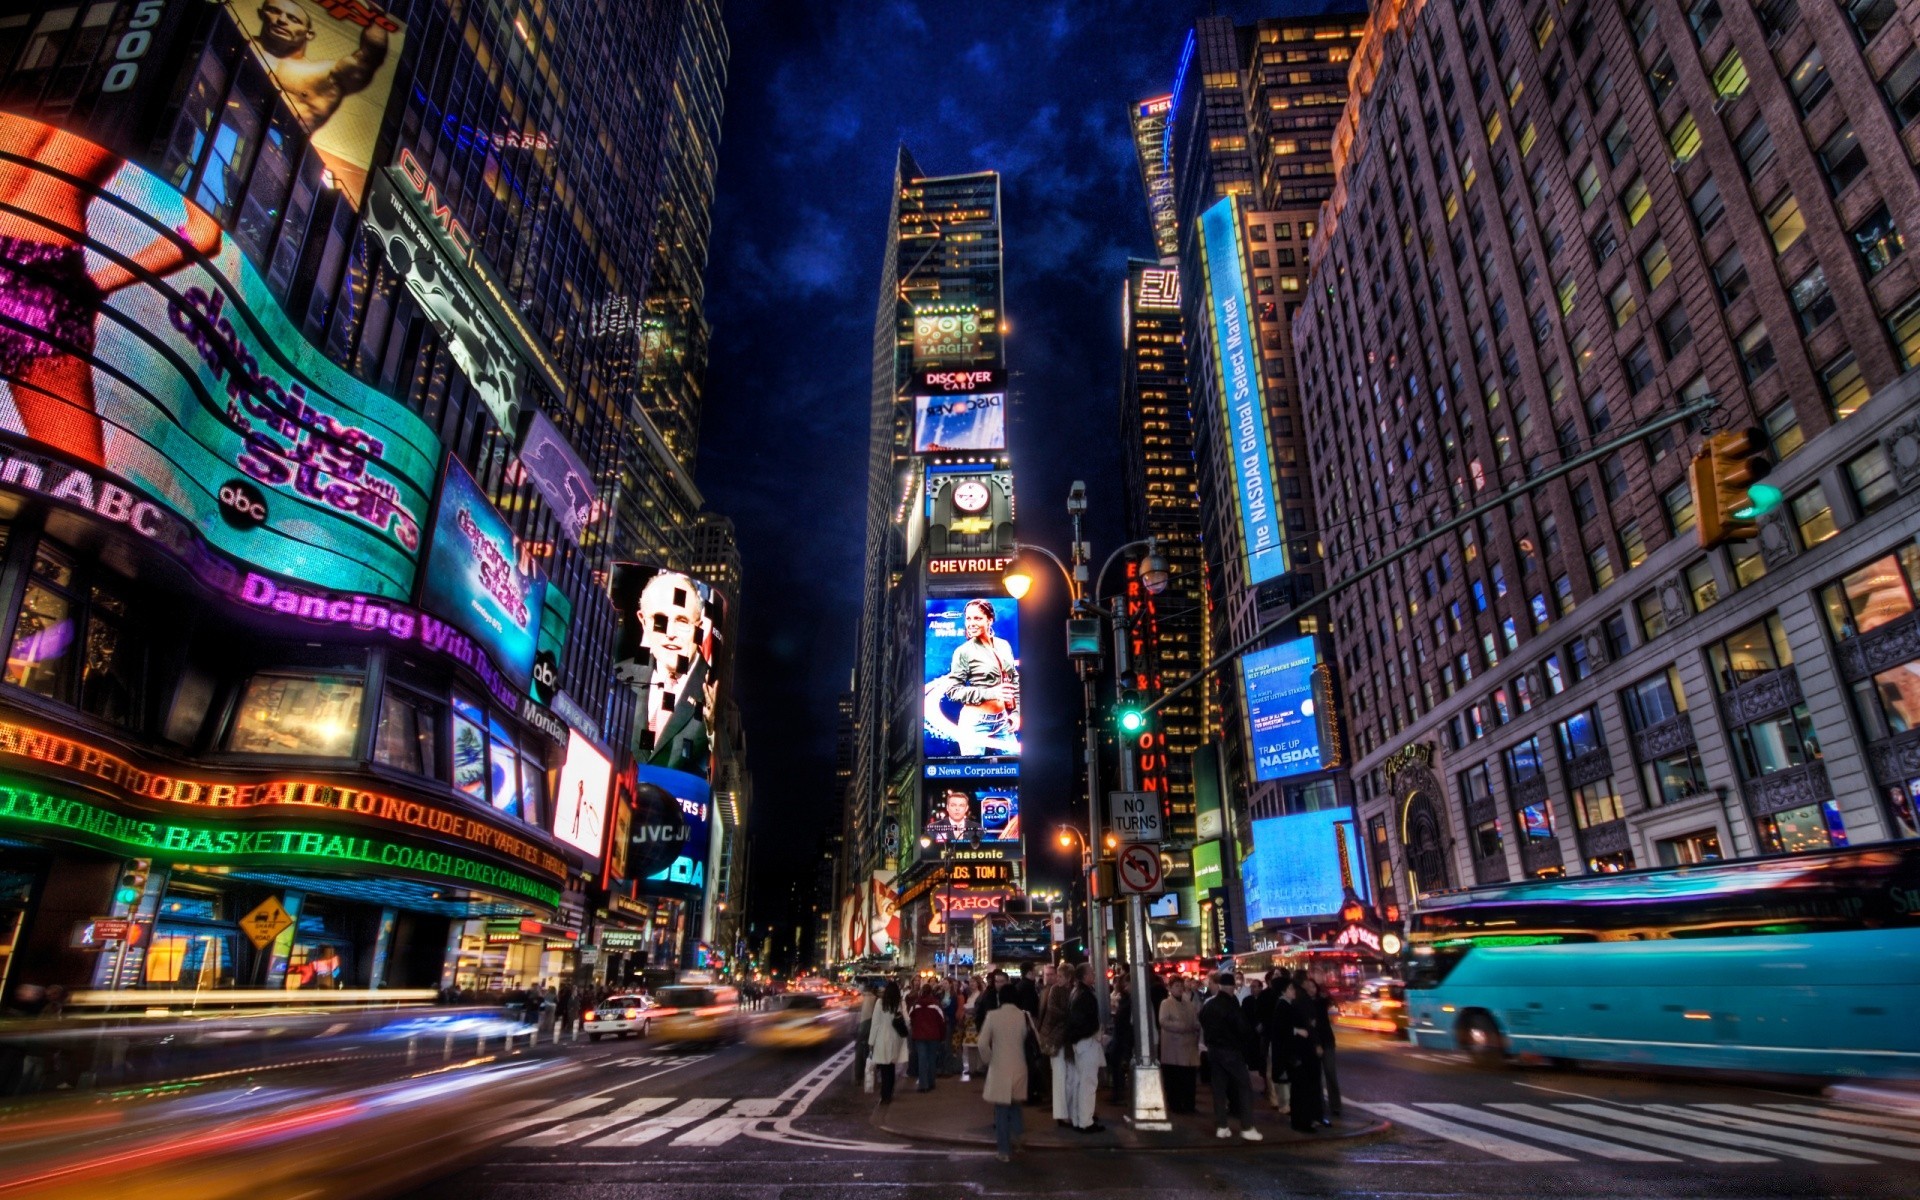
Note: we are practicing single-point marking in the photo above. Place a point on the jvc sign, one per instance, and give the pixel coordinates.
(1135, 816)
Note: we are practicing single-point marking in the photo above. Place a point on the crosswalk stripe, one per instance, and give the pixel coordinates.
(1566, 1141)
(654, 1127)
(1465, 1135)
(558, 1112)
(1784, 1127)
(758, 1106)
(573, 1131)
(1633, 1117)
(716, 1132)
(1854, 1119)
(1672, 1145)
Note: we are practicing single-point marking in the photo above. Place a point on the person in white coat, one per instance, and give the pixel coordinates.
(1002, 1046)
(888, 1041)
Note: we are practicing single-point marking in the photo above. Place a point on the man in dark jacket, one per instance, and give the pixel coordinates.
(1323, 1039)
(1120, 1049)
(1229, 1037)
(1082, 1053)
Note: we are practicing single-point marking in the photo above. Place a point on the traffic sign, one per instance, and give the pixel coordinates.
(100, 932)
(1135, 816)
(264, 923)
(1139, 869)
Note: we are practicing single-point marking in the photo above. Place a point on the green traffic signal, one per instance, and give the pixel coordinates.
(1762, 498)
(1132, 720)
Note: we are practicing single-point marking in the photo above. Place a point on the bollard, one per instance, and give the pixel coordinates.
(446, 1051)
(480, 1045)
(411, 1048)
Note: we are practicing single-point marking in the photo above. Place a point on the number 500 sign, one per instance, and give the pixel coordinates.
(134, 44)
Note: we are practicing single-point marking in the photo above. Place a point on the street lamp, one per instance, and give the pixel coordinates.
(1083, 644)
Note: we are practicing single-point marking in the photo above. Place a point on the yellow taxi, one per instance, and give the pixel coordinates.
(701, 1013)
(798, 1021)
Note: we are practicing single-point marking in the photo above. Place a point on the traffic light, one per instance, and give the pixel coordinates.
(133, 882)
(1728, 497)
(1127, 712)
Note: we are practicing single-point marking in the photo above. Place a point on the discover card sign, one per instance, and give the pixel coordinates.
(1241, 397)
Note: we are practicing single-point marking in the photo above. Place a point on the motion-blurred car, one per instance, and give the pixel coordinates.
(697, 1013)
(619, 1016)
(1380, 1007)
(795, 1022)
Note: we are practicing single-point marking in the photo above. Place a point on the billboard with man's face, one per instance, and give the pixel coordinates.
(959, 809)
(333, 61)
(669, 652)
(972, 701)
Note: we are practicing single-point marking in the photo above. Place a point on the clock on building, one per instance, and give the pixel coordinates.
(970, 495)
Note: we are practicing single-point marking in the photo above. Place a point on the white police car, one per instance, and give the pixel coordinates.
(619, 1016)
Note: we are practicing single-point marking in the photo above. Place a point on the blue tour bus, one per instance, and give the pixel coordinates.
(1806, 964)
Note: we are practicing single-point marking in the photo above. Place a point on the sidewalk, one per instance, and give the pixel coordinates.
(954, 1113)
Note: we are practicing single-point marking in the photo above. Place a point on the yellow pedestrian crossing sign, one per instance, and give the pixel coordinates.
(265, 923)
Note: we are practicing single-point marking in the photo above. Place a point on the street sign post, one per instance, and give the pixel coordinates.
(1138, 868)
(1135, 816)
(265, 922)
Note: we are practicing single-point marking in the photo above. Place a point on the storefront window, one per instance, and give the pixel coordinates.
(321, 956)
(297, 714)
(1776, 743)
(40, 657)
(1809, 827)
(1610, 864)
(114, 673)
(408, 737)
(194, 945)
(1750, 653)
(1881, 591)
(1689, 848)
(1889, 702)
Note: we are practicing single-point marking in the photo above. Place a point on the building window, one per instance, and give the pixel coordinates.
(1749, 565)
(1889, 701)
(1904, 325)
(1809, 80)
(1635, 201)
(1703, 586)
(1556, 676)
(1783, 430)
(1579, 736)
(407, 738)
(1812, 299)
(1749, 653)
(1595, 804)
(316, 715)
(1653, 618)
(1639, 367)
(1813, 516)
(1676, 331)
(1662, 79)
(1756, 350)
(1704, 17)
(1654, 699)
(1843, 158)
(1678, 502)
(1845, 387)
(1810, 827)
(1774, 744)
(1684, 138)
(1614, 628)
(1633, 546)
(1871, 478)
(1785, 223)
(1869, 17)
(1730, 77)
(1563, 594)
(1623, 303)
(1588, 185)
(1878, 241)
(1689, 849)
(1902, 88)
(1605, 241)
(1706, 205)
(1655, 265)
(1730, 276)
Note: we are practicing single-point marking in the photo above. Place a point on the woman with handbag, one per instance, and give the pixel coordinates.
(888, 1041)
(1003, 1048)
(1179, 1046)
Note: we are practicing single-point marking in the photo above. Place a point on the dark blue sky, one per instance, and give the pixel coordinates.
(820, 96)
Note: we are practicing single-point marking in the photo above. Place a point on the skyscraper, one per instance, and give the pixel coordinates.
(1149, 119)
(1544, 236)
(1250, 139)
(939, 512)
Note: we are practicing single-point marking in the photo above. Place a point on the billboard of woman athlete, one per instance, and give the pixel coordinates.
(972, 703)
(669, 652)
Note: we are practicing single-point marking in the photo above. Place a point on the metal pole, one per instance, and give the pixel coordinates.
(1096, 925)
(1149, 1093)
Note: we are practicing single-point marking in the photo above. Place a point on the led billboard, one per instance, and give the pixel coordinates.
(1242, 407)
(580, 803)
(473, 580)
(977, 422)
(946, 332)
(972, 699)
(559, 475)
(1282, 724)
(136, 338)
(668, 651)
(687, 873)
(1301, 864)
(957, 810)
(333, 61)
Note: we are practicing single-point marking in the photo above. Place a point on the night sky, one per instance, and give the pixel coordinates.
(819, 97)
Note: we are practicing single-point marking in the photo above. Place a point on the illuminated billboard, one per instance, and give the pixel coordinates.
(473, 579)
(1282, 723)
(958, 810)
(1159, 287)
(559, 475)
(945, 422)
(1302, 865)
(333, 61)
(1242, 406)
(668, 651)
(686, 874)
(946, 331)
(969, 515)
(188, 381)
(580, 802)
(972, 699)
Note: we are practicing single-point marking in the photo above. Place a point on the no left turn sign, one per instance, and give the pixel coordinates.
(1139, 869)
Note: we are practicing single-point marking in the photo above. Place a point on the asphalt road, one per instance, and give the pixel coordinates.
(745, 1122)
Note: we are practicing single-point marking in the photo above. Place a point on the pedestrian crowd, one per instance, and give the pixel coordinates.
(1039, 1039)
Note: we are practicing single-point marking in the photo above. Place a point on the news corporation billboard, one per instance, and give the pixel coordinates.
(1242, 403)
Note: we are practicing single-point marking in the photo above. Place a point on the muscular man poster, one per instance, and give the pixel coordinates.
(333, 62)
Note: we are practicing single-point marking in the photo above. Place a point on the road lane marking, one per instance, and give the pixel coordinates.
(558, 1112)
(655, 1127)
(716, 1132)
(1557, 1137)
(1676, 1146)
(1787, 1127)
(1632, 1117)
(573, 1131)
(1465, 1135)
(758, 1106)
(1853, 1120)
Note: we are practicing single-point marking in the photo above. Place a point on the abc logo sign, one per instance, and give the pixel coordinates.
(241, 504)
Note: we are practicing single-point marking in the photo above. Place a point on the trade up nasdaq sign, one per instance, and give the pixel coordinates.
(1241, 400)
(136, 339)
